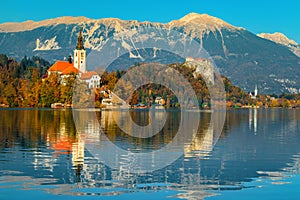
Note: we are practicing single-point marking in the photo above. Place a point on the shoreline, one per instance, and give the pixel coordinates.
(143, 110)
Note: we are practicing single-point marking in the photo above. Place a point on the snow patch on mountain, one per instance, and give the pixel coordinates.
(50, 44)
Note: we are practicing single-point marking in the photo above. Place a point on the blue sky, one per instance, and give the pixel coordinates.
(255, 15)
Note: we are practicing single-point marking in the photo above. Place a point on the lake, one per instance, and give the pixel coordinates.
(45, 155)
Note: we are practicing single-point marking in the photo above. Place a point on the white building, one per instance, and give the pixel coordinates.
(91, 78)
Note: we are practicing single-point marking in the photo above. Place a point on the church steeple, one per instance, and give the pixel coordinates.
(80, 54)
(79, 45)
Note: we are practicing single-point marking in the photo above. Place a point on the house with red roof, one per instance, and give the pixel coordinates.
(65, 68)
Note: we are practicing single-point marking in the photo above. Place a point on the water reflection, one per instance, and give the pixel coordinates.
(253, 120)
(44, 147)
(133, 154)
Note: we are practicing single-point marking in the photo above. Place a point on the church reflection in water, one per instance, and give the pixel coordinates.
(252, 145)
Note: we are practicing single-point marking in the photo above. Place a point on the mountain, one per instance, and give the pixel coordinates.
(244, 57)
(280, 38)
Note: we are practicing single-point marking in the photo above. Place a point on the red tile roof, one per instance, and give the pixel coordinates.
(88, 75)
(70, 70)
(60, 66)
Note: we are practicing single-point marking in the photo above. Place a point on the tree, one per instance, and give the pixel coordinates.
(274, 103)
(10, 95)
(50, 90)
(286, 103)
(66, 89)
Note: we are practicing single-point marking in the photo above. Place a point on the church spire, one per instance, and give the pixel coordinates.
(79, 45)
(80, 54)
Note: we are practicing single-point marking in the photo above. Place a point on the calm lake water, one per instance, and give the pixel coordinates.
(43, 155)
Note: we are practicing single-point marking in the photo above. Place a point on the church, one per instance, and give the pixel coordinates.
(78, 66)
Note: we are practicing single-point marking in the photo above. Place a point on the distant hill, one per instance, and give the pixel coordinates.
(245, 58)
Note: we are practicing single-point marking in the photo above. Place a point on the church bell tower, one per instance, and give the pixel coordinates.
(80, 54)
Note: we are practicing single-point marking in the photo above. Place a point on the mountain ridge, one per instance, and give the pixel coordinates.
(278, 38)
(195, 18)
(244, 57)
(30, 24)
(282, 39)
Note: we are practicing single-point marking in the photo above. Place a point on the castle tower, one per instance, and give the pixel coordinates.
(80, 54)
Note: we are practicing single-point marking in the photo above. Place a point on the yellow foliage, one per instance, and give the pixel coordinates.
(274, 103)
